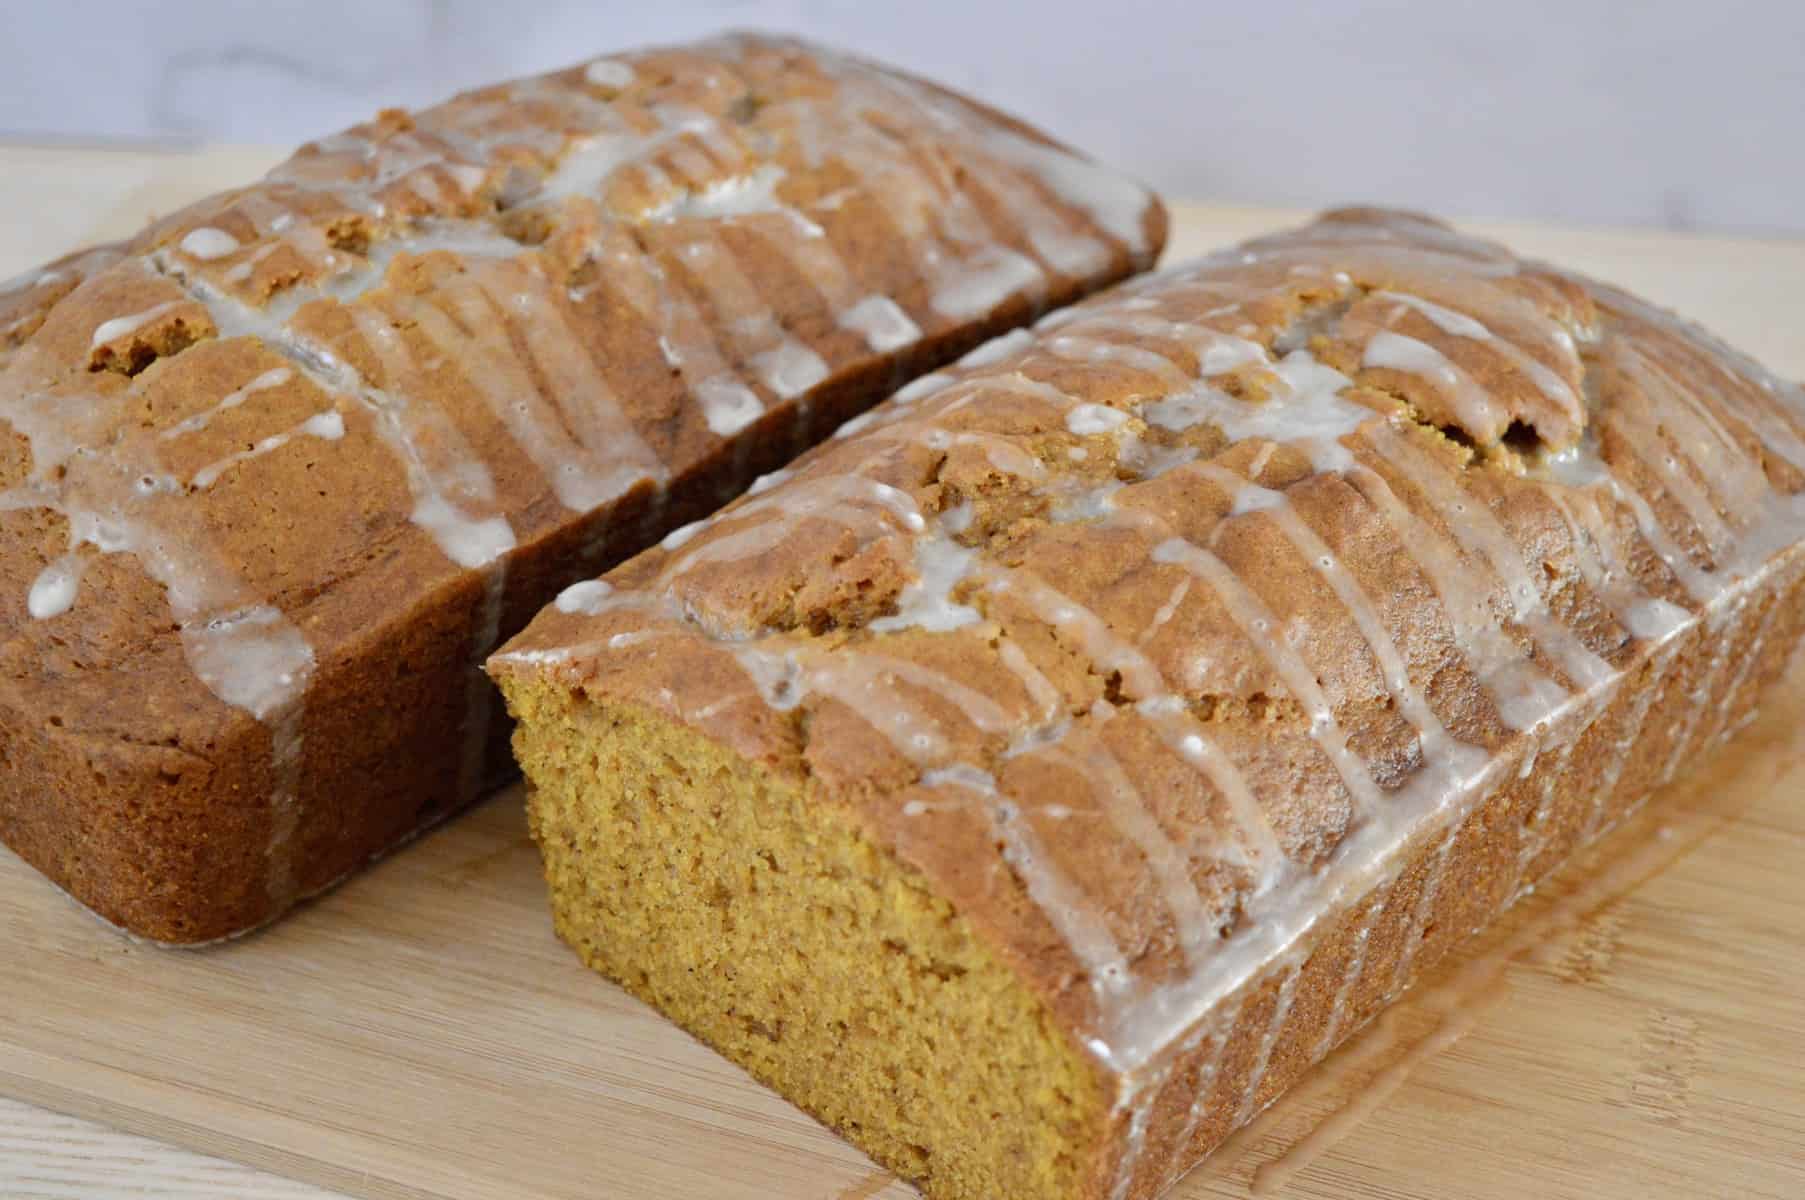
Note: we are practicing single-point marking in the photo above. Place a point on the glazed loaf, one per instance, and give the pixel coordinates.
(283, 467)
(1034, 780)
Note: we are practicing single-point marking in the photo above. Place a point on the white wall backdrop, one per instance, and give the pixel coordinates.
(1667, 113)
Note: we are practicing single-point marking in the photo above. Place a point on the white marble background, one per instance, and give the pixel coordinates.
(1658, 113)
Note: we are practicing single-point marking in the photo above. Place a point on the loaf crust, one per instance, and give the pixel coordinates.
(284, 467)
(1221, 652)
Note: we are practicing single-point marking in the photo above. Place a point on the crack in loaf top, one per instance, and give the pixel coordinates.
(432, 338)
(1136, 632)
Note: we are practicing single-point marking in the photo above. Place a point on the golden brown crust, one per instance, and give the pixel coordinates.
(285, 465)
(1360, 963)
(1166, 637)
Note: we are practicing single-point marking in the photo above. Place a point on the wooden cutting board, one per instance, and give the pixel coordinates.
(1633, 1029)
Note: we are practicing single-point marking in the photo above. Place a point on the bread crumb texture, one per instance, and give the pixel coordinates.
(767, 924)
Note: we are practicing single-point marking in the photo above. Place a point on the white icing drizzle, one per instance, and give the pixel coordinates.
(1773, 408)
(1351, 975)
(1523, 695)
(442, 472)
(1058, 241)
(765, 483)
(877, 318)
(995, 350)
(782, 363)
(1217, 353)
(1698, 582)
(1040, 689)
(1546, 379)
(1479, 532)
(1208, 1072)
(728, 404)
(872, 316)
(1308, 411)
(1129, 815)
(208, 243)
(439, 463)
(590, 455)
(241, 648)
(1535, 835)
(1056, 895)
(1602, 565)
(118, 327)
(882, 322)
(908, 726)
(984, 281)
(241, 271)
(1716, 627)
(941, 564)
(591, 163)
(249, 657)
(1003, 453)
(1642, 433)
(1165, 711)
(844, 499)
(1095, 640)
(1646, 701)
(1185, 735)
(1165, 611)
(327, 426)
(609, 73)
(1087, 419)
(26, 280)
(274, 378)
(471, 240)
(1440, 750)
(1425, 907)
(1265, 632)
(586, 597)
(1750, 659)
(1473, 404)
(1116, 204)
(1140, 1116)
(679, 537)
(1712, 450)
(789, 368)
(1275, 1027)
(269, 217)
(53, 591)
(925, 386)
(969, 270)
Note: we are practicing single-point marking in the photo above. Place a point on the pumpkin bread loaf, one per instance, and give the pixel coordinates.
(283, 468)
(1032, 781)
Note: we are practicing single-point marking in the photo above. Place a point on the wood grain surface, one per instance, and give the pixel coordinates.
(1631, 1030)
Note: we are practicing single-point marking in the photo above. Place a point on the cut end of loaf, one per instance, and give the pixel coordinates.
(735, 901)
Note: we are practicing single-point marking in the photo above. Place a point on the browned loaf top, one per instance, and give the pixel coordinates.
(282, 466)
(1157, 637)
